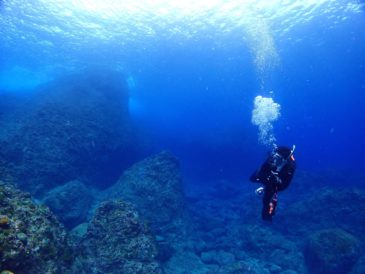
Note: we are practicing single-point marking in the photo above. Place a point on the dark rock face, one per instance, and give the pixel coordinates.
(154, 186)
(31, 239)
(331, 251)
(117, 241)
(70, 202)
(76, 127)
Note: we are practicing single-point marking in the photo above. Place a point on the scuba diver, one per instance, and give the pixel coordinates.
(275, 173)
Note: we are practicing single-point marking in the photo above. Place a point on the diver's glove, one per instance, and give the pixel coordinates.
(259, 191)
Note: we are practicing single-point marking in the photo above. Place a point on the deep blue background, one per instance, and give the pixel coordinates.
(195, 98)
(202, 110)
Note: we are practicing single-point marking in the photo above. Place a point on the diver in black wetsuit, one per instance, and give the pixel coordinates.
(275, 173)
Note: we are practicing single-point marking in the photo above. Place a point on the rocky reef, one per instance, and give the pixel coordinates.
(321, 227)
(229, 236)
(146, 223)
(74, 127)
(31, 239)
(346, 205)
(331, 251)
(117, 241)
(71, 203)
(154, 186)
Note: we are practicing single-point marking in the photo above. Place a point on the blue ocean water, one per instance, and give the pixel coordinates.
(193, 70)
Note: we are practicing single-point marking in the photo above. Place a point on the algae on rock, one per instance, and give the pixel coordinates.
(117, 241)
(154, 186)
(33, 241)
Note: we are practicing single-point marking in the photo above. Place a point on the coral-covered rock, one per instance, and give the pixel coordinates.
(73, 127)
(331, 251)
(33, 241)
(70, 202)
(117, 241)
(4, 221)
(154, 186)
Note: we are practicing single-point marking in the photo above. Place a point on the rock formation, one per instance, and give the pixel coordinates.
(32, 241)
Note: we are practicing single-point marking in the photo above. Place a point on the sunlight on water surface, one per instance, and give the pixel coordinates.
(53, 31)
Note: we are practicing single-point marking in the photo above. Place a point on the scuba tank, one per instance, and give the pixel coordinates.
(279, 158)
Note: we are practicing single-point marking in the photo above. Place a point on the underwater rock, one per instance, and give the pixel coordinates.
(245, 267)
(219, 257)
(347, 208)
(331, 251)
(359, 267)
(74, 127)
(188, 262)
(117, 241)
(289, 272)
(271, 246)
(275, 269)
(165, 249)
(154, 185)
(70, 202)
(33, 241)
(4, 221)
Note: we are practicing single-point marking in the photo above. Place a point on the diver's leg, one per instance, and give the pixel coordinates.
(267, 211)
(273, 203)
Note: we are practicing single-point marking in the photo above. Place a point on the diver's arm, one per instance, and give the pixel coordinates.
(291, 170)
(262, 175)
(255, 178)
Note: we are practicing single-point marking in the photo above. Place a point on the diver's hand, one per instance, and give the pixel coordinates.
(259, 191)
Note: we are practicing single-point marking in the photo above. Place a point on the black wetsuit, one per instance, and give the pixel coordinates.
(276, 176)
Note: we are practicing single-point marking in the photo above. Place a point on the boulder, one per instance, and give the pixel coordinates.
(31, 239)
(117, 241)
(154, 185)
(331, 251)
(74, 127)
(346, 207)
(70, 202)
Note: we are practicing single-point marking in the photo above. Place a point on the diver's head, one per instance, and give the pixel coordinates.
(284, 152)
(280, 156)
